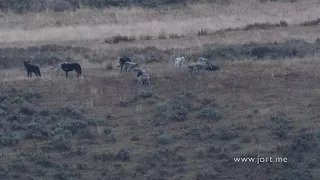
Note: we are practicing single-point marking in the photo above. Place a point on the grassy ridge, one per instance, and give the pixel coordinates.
(21, 6)
(50, 54)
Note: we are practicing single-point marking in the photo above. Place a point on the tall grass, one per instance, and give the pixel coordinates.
(86, 24)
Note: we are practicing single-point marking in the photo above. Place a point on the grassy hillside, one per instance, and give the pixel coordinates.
(21, 6)
(262, 102)
(177, 128)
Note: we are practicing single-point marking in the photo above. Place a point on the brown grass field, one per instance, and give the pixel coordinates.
(102, 126)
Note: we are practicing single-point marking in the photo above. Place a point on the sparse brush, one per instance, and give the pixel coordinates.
(119, 38)
(145, 37)
(175, 36)
(162, 35)
(266, 25)
(202, 32)
(311, 23)
(254, 26)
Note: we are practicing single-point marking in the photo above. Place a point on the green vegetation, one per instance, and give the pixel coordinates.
(208, 113)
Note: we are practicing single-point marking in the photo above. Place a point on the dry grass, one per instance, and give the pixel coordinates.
(79, 25)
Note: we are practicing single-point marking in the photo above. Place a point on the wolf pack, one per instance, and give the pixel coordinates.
(126, 64)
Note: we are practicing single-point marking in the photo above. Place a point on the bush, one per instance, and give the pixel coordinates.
(164, 139)
(107, 131)
(281, 125)
(266, 25)
(162, 35)
(202, 32)
(145, 37)
(3, 96)
(161, 108)
(44, 112)
(177, 108)
(70, 111)
(311, 23)
(10, 138)
(145, 94)
(178, 113)
(36, 131)
(27, 108)
(119, 38)
(123, 155)
(208, 113)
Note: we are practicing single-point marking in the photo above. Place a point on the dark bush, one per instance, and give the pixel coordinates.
(311, 23)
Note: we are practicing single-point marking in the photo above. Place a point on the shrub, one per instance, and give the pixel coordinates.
(162, 35)
(36, 131)
(45, 162)
(202, 32)
(3, 96)
(119, 38)
(226, 135)
(123, 155)
(311, 23)
(177, 108)
(17, 100)
(178, 113)
(175, 36)
(145, 37)
(161, 108)
(145, 94)
(208, 113)
(70, 111)
(281, 125)
(10, 138)
(60, 145)
(27, 108)
(44, 112)
(107, 131)
(266, 25)
(87, 133)
(164, 139)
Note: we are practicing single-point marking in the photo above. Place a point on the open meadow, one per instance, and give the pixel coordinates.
(263, 101)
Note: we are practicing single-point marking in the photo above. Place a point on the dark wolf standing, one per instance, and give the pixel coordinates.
(66, 67)
(31, 69)
(122, 60)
